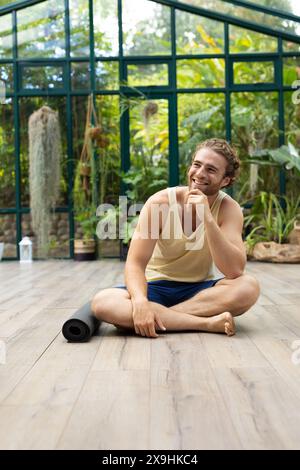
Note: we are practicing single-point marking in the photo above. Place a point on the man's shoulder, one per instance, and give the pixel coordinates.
(229, 208)
(160, 197)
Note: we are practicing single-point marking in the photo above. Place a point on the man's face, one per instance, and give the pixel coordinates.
(207, 172)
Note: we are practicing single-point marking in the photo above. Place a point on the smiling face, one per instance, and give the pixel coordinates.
(207, 172)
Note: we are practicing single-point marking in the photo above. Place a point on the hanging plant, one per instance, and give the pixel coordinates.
(149, 110)
(44, 172)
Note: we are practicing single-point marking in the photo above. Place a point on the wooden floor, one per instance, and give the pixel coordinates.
(180, 391)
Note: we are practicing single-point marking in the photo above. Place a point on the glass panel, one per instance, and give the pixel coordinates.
(287, 6)
(41, 30)
(147, 74)
(27, 107)
(195, 73)
(42, 78)
(291, 46)
(292, 117)
(198, 35)
(106, 29)
(5, 2)
(146, 28)
(8, 235)
(6, 75)
(107, 108)
(291, 70)
(7, 155)
(79, 28)
(292, 132)
(246, 14)
(244, 40)
(200, 116)
(108, 159)
(149, 147)
(58, 239)
(253, 72)
(80, 76)
(254, 127)
(6, 39)
(109, 163)
(107, 75)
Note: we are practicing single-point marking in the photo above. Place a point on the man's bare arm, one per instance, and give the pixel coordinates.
(140, 251)
(225, 242)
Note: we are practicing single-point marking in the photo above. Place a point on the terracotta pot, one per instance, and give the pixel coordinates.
(103, 141)
(85, 170)
(276, 252)
(95, 132)
(84, 250)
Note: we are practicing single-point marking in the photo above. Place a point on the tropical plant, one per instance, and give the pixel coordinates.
(271, 218)
(86, 217)
(286, 155)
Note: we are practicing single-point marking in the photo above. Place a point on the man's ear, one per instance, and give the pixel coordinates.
(225, 182)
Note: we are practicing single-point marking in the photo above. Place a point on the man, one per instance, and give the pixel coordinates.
(194, 278)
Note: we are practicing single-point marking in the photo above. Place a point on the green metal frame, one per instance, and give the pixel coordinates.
(263, 9)
(169, 92)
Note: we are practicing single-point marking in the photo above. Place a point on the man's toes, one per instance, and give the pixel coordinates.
(229, 329)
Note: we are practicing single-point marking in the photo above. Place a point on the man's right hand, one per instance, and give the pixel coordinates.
(145, 319)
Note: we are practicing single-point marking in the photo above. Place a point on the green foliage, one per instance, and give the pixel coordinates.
(7, 165)
(286, 155)
(200, 115)
(270, 219)
(86, 217)
(143, 182)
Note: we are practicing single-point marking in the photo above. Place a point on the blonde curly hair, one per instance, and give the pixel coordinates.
(223, 148)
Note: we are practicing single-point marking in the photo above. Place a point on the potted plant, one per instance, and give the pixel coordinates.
(85, 247)
(269, 225)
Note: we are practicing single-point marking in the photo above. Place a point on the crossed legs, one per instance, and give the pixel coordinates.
(211, 310)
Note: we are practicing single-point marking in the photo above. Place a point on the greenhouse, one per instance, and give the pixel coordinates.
(196, 70)
(108, 108)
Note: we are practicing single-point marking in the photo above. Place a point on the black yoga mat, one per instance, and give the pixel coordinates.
(81, 326)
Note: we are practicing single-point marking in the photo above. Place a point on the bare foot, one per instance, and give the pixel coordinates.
(222, 323)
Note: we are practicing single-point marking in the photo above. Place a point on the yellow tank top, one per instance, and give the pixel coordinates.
(173, 259)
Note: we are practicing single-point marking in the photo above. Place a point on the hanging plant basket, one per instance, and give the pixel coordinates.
(85, 169)
(95, 132)
(102, 141)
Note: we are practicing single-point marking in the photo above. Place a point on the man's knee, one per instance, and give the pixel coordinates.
(252, 288)
(104, 301)
(101, 301)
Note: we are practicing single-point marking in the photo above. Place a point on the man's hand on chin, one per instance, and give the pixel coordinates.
(200, 202)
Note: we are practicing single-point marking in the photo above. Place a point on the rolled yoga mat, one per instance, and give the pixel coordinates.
(81, 326)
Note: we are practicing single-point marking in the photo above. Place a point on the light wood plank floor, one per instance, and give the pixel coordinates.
(180, 391)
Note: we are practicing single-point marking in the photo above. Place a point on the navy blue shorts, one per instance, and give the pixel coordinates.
(170, 293)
